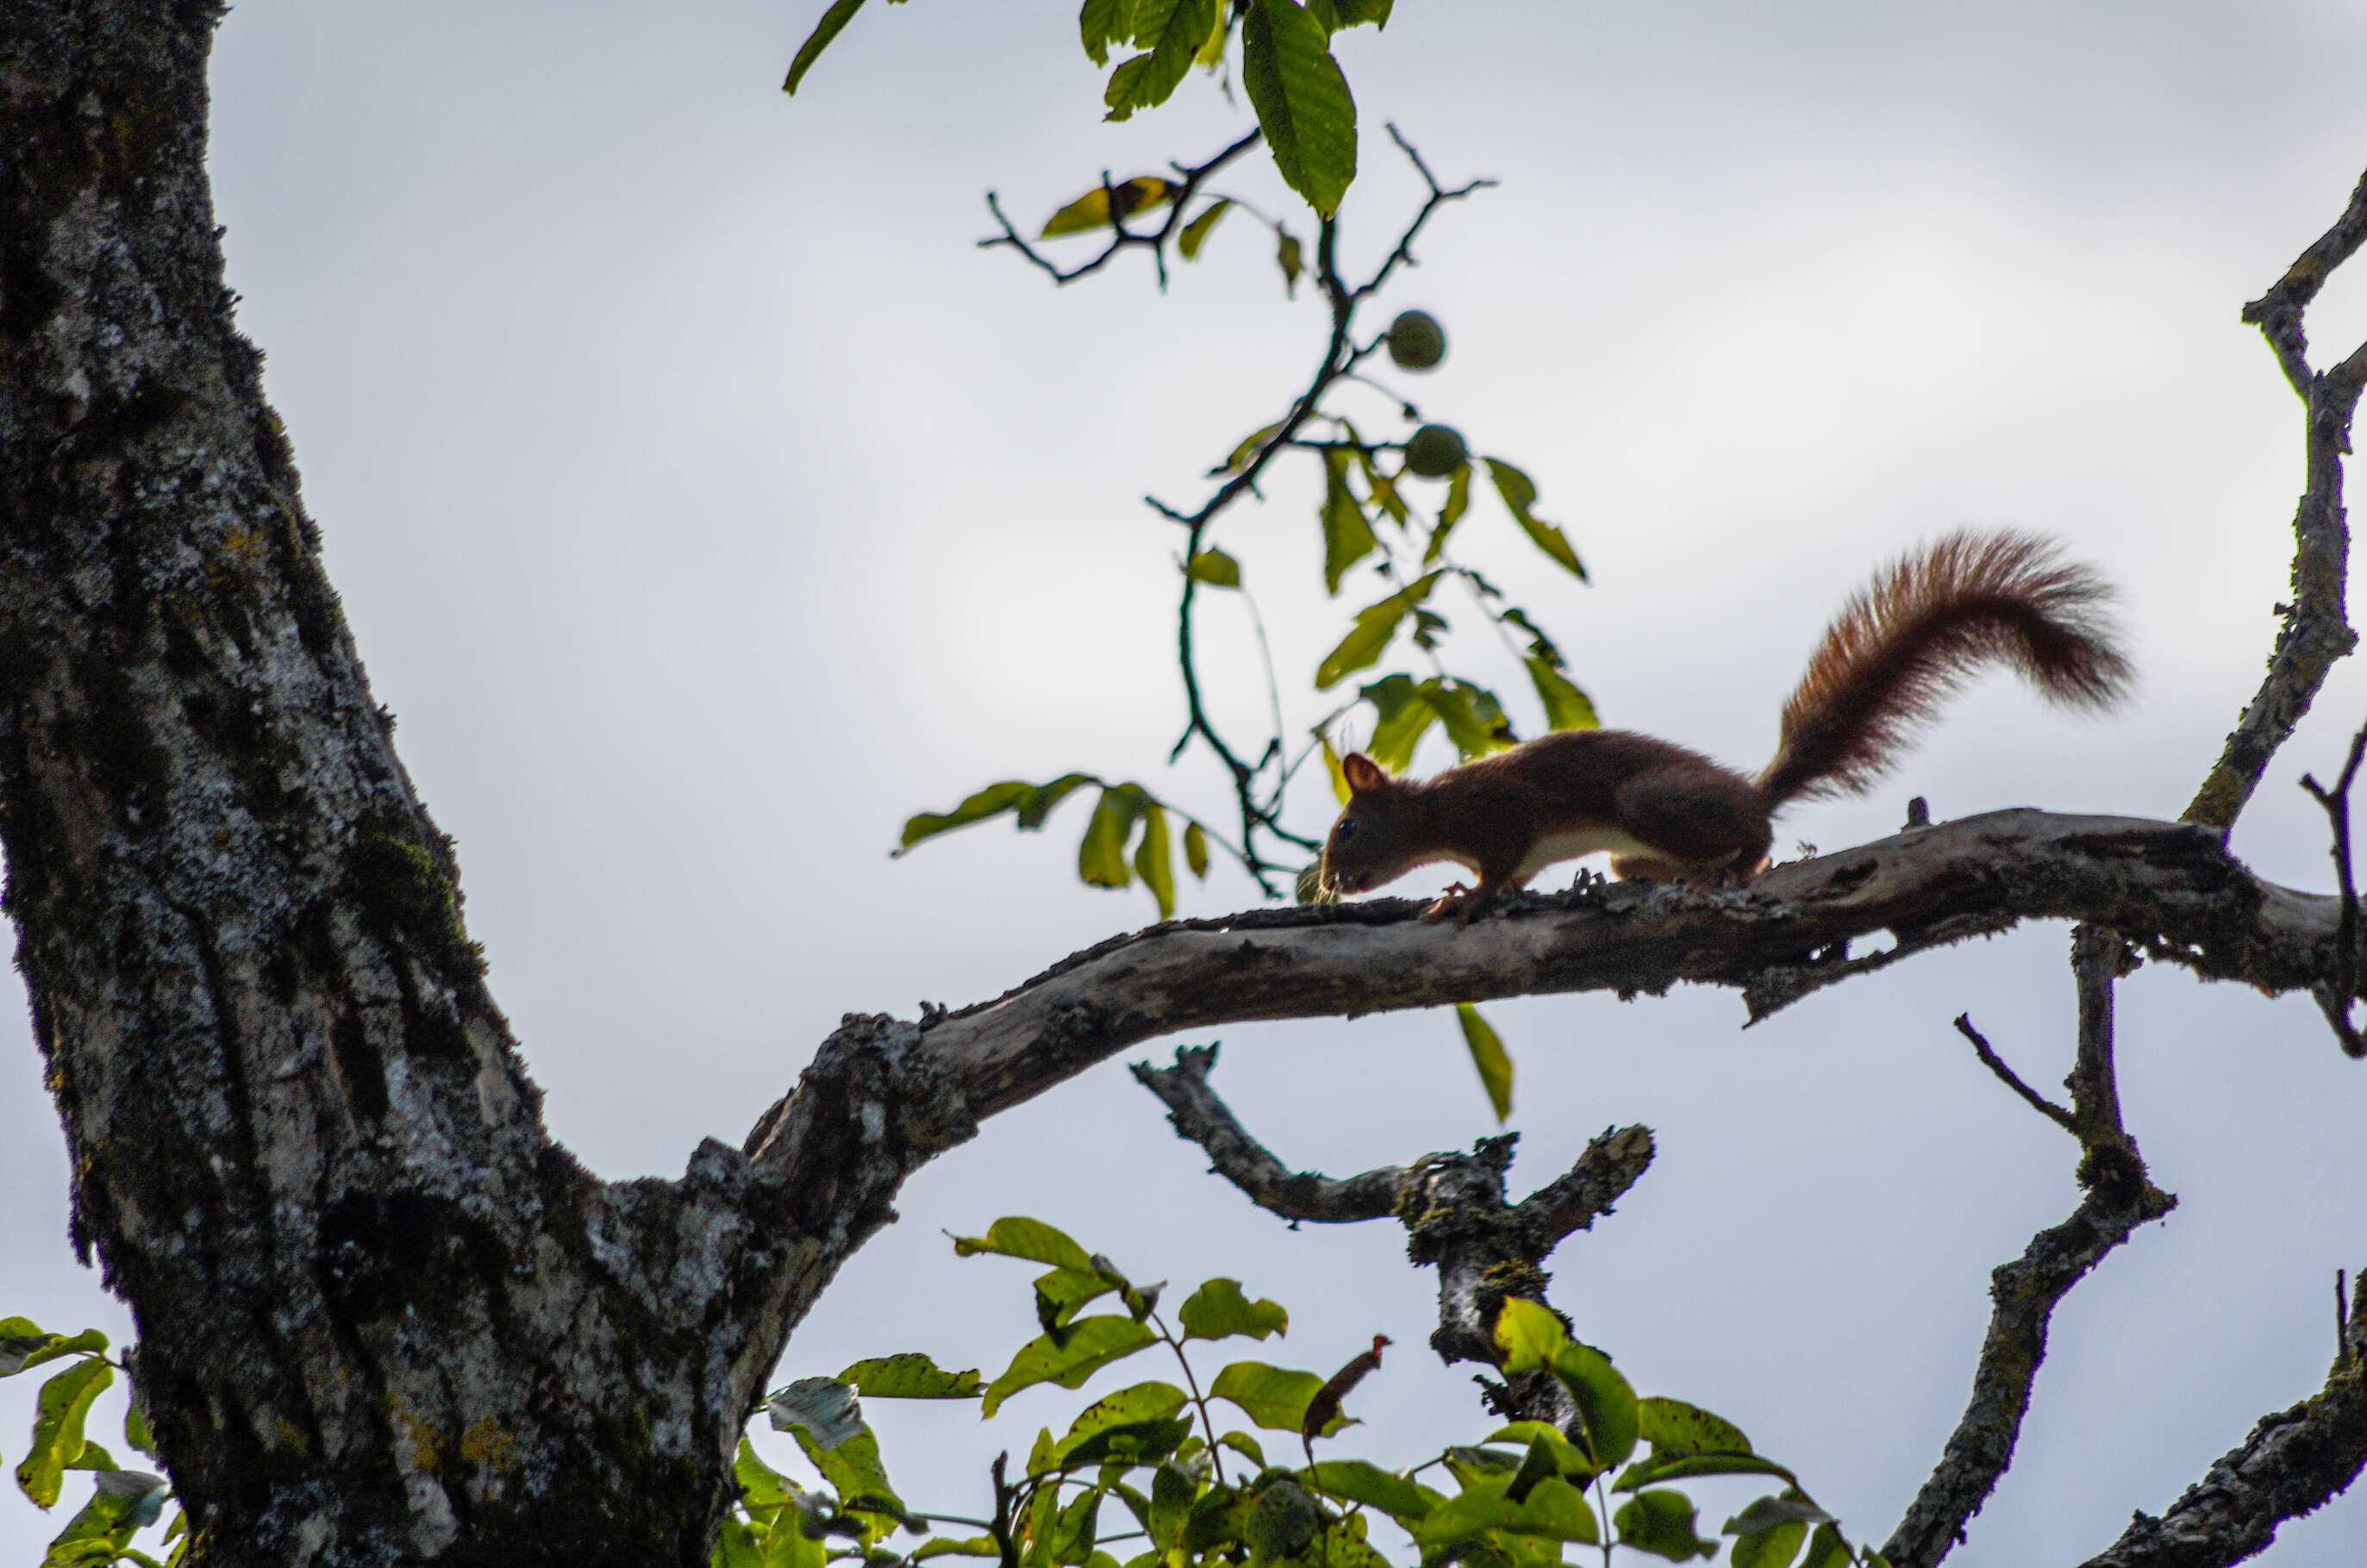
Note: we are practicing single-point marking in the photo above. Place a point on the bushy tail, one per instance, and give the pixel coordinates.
(1925, 625)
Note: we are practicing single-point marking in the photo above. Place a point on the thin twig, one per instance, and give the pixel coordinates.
(2334, 1000)
(1121, 237)
(1995, 1064)
(2117, 1198)
(1200, 1116)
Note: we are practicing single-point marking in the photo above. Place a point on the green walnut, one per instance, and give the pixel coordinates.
(1284, 1519)
(1435, 450)
(1416, 341)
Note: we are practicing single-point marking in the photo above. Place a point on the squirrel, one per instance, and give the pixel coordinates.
(1900, 647)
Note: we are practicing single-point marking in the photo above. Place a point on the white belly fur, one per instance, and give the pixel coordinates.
(1579, 841)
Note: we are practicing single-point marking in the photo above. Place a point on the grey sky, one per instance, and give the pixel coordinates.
(704, 503)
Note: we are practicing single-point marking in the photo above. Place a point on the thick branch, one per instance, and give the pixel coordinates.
(2171, 888)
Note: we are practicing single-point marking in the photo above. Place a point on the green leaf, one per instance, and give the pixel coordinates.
(1355, 1481)
(124, 1502)
(1347, 536)
(1249, 450)
(957, 1546)
(737, 1546)
(1195, 849)
(1034, 803)
(1475, 720)
(1092, 210)
(1332, 766)
(908, 1376)
(1246, 1446)
(1214, 568)
(1015, 1235)
(1458, 501)
(1566, 708)
(1673, 1424)
(1034, 807)
(1135, 1412)
(1154, 860)
(1520, 494)
(136, 1431)
(1100, 25)
(1357, 13)
(1289, 257)
(1369, 637)
(1791, 1506)
(1217, 1520)
(1567, 1457)
(1342, 1545)
(1487, 1056)
(1663, 1524)
(1173, 1490)
(1774, 1547)
(1557, 1511)
(1678, 1465)
(1827, 1550)
(1403, 716)
(1272, 1397)
(854, 1470)
(1218, 1309)
(1173, 31)
(1529, 1334)
(24, 1344)
(94, 1456)
(1100, 855)
(833, 21)
(1302, 102)
(1059, 1293)
(58, 1415)
(1084, 1348)
(1212, 53)
(1384, 493)
(1196, 233)
(1605, 1401)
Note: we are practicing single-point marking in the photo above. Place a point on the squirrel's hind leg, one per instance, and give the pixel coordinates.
(1703, 824)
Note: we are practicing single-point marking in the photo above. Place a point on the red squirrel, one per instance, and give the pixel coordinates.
(1900, 647)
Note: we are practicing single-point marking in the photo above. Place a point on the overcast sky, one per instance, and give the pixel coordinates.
(705, 503)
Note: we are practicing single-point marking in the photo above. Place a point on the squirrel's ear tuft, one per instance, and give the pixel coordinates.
(1363, 774)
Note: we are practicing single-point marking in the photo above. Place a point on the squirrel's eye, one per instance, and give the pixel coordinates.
(1345, 828)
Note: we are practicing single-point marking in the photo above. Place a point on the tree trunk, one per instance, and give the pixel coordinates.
(382, 1316)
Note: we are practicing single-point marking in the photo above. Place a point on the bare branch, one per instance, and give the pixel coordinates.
(2317, 631)
(1611, 1165)
(2172, 888)
(2291, 1464)
(1990, 1060)
(1201, 1116)
(1121, 237)
(2334, 999)
(2118, 1198)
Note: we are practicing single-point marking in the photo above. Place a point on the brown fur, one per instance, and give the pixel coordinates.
(1897, 650)
(1903, 644)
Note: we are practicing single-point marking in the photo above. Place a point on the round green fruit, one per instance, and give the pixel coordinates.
(1416, 341)
(1435, 450)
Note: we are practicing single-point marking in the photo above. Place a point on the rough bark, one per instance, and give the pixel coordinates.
(382, 1316)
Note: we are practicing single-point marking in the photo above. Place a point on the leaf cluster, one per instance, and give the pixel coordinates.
(1148, 1475)
(122, 1502)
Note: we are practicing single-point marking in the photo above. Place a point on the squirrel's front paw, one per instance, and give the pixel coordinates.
(1455, 901)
